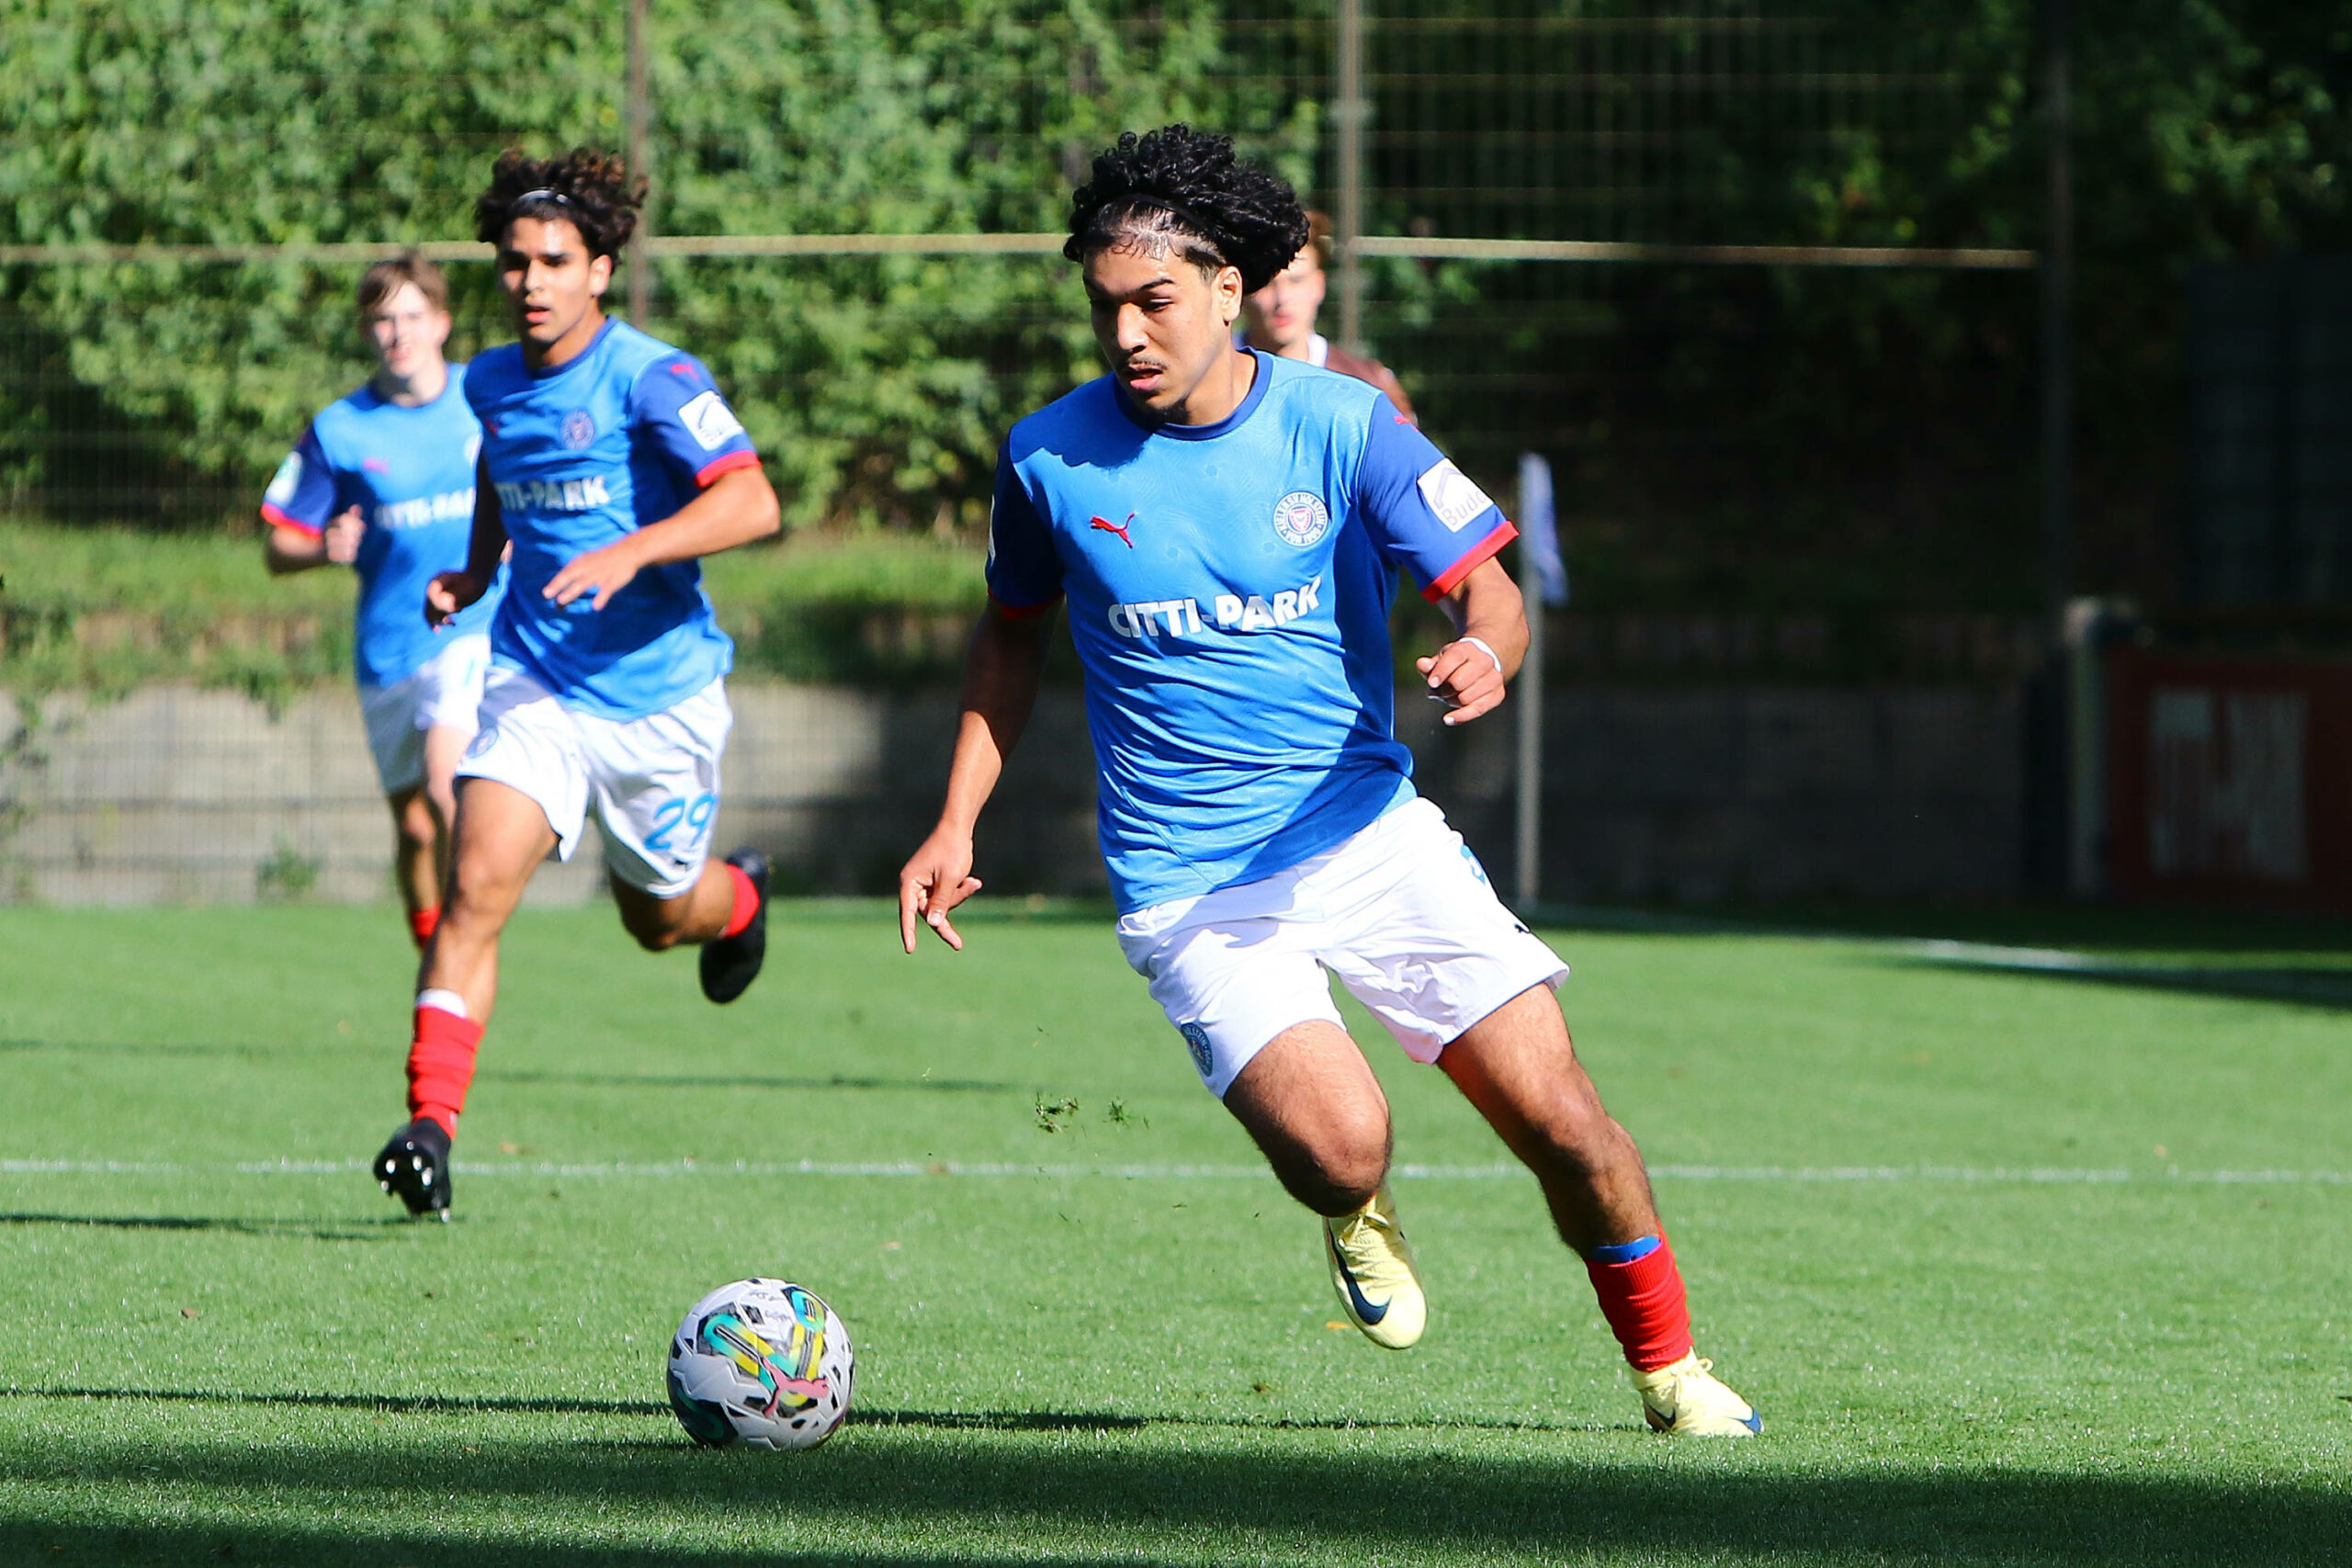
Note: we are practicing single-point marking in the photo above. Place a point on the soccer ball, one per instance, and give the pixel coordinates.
(763, 1362)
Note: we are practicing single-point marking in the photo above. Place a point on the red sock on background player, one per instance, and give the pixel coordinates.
(441, 1058)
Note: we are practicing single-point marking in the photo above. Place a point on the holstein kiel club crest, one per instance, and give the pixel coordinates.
(1301, 518)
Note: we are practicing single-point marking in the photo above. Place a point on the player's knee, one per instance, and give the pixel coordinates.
(418, 833)
(656, 926)
(1351, 1155)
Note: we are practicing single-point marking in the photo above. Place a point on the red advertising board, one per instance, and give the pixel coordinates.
(2230, 779)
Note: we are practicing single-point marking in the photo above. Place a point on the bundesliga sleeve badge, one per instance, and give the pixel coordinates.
(1301, 518)
(1453, 496)
(710, 421)
(286, 481)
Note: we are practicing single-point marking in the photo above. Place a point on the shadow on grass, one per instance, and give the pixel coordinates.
(2068, 925)
(294, 1229)
(135, 1048)
(690, 1081)
(391, 1404)
(2313, 988)
(943, 1420)
(994, 1495)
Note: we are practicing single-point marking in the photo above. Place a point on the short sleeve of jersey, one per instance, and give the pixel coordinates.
(1025, 572)
(1424, 513)
(677, 405)
(301, 493)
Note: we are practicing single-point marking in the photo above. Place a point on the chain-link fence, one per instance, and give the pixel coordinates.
(1754, 275)
(1731, 436)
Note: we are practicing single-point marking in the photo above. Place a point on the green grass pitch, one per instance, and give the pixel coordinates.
(2022, 1262)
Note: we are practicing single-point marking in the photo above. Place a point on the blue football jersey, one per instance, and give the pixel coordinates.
(1229, 588)
(411, 473)
(615, 439)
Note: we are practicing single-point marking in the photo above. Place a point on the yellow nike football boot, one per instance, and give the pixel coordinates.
(1371, 1267)
(1687, 1400)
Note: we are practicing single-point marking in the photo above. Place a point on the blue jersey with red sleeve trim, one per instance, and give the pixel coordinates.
(411, 473)
(616, 438)
(1229, 588)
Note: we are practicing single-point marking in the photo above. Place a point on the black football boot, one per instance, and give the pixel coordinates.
(415, 1167)
(730, 963)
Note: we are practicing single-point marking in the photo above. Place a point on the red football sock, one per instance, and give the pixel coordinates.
(1642, 1298)
(422, 923)
(747, 902)
(441, 1066)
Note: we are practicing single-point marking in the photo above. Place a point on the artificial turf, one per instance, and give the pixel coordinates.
(2025, 1258)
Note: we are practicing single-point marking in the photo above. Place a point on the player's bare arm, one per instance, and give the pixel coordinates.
(451, 591)
(737, 507)
(290, 549)
(1001, 678)
(1469, 673)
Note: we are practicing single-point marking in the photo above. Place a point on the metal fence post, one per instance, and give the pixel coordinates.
(641, 158)
(1349, 115)
(2057, 316)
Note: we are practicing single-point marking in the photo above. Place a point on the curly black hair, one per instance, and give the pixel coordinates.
(592, 188)
(1184, 189)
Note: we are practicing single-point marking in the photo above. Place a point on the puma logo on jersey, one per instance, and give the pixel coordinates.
(1119, 528)
(554, 495)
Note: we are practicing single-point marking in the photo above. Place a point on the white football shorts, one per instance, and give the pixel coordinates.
(443, 693)
(653, 782)
(1400, 911)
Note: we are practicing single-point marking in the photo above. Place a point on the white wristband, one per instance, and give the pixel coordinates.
(1479, 643)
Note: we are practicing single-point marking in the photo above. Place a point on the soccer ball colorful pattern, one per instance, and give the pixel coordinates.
(762, 1362)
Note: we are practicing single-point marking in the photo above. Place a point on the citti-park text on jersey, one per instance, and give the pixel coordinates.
(1183, 617)
(426, 510)
(554, 495)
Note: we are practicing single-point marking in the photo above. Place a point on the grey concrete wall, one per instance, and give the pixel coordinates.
(1708, 794)
(175, 795)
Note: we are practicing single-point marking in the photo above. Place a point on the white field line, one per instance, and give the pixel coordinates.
(1941, 1174)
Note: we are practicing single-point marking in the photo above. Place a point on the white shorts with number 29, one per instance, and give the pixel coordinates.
(651, 781)
(1400, 911)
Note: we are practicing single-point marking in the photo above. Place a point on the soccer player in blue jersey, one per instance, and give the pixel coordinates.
(383, 481)
(611, 464)
(1227, 527)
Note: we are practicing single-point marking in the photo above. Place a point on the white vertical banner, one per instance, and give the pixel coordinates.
(1539, 528)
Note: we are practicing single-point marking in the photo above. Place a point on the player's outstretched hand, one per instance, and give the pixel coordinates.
(343, 535)
(603, 571)
(938, 879)
(1465, 677)
(449, 593)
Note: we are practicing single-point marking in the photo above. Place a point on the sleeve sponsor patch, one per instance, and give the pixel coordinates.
(1453, 496)
(710, 421)
(287, 480)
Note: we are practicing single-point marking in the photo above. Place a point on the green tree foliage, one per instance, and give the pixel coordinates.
(879, 387)
(1734, 436)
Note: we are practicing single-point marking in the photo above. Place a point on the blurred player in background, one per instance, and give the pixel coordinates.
(1227, 527)
(612, 464)
(383, 481)
(1280, 317)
